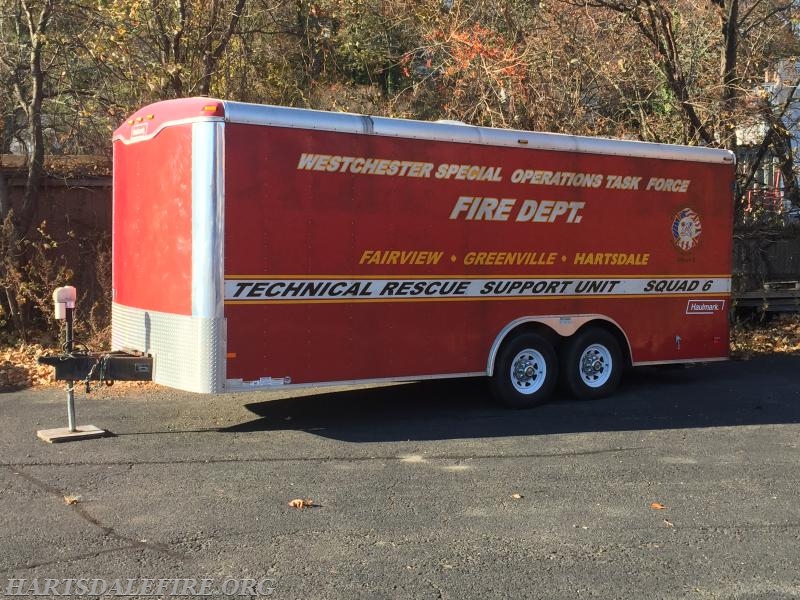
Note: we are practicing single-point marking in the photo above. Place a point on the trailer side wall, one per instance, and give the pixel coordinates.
(370, 214)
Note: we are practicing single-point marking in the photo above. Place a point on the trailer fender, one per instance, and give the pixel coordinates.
(562, 325)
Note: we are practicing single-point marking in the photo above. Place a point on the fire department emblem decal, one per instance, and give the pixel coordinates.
(686, 229)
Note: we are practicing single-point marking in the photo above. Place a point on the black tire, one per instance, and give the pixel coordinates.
(525, 371)
(591, 364)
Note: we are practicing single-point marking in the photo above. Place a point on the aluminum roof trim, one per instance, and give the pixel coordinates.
(300, 118)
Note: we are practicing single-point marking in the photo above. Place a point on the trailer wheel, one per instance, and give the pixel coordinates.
(591, 364)
(526, 371)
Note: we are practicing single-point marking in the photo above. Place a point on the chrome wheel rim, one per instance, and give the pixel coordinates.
(528, 371)
(595, 365)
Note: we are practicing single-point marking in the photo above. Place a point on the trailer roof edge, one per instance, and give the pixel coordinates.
(301, 118)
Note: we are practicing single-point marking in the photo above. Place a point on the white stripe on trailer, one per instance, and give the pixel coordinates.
(246, 290)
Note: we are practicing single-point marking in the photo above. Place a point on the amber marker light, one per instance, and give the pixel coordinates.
(214, 110)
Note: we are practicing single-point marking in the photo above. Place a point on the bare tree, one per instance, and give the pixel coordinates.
(22, 64)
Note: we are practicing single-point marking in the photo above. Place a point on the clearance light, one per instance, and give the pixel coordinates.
(213, 110)
(130, 121)
(150, 117)
(139, 119)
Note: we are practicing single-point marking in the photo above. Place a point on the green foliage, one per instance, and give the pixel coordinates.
(583, 67)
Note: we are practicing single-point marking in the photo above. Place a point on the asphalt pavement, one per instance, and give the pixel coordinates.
(685, 484)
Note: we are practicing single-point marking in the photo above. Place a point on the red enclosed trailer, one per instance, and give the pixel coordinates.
(260, 246)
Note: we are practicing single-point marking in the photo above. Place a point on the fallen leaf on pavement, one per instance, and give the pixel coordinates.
(517, 496)
(301, 503)
(658, 506)
(72, 499)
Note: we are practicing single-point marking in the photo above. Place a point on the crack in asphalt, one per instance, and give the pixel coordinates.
(289, 459)
(83, 514)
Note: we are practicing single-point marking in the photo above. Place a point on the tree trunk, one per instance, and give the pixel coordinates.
(5, 197)
(730, 32)
(211, 54)
(37, 27)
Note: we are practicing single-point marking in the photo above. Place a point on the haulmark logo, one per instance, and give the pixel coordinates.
(704, 307)
(686, 229)
(138, 130)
